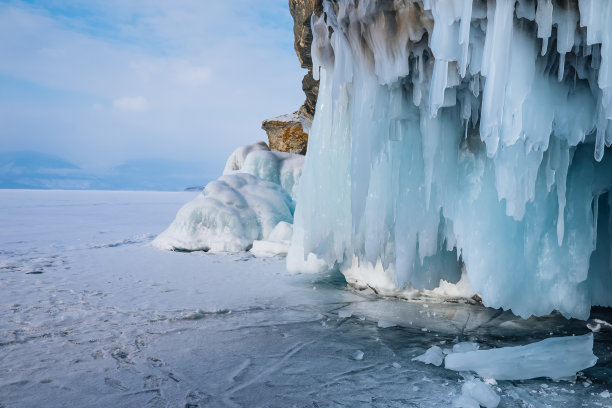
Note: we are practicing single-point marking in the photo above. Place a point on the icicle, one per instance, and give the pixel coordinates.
(464, 35)
(495, 88)
(595, 218)
(561, 67)
(543, 16)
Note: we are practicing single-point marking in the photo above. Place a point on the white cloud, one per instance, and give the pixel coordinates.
(202, 74)
(132, 104)
(193, 75)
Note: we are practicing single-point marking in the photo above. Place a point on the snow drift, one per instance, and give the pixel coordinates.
(463, 132)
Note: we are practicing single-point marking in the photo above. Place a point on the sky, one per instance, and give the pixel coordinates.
(101, 82)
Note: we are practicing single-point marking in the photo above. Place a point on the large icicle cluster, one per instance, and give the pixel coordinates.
(452, 133)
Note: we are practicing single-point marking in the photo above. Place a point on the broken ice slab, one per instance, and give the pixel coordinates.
(556, 358)
(433, 355)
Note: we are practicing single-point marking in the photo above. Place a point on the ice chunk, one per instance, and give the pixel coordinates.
(433, 355)
(282, 232)
(465, 346)
(267, 249)
(228, 216)
(277, 243)
(481, 393)
(463, 401)
(556, 358)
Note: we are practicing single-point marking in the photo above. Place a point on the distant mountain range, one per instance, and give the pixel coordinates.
(34, 170)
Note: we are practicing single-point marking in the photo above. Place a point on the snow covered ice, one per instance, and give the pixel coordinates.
(454, 134)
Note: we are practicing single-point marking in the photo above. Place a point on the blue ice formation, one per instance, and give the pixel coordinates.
(457, 134)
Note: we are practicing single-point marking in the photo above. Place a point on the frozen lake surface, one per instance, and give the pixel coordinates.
(92, 315)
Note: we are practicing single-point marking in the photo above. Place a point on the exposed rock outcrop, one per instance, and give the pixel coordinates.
(301, 11)
(285, 134)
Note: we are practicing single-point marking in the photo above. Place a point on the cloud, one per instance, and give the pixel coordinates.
(193, 75)
(132, 104)
(202, 75)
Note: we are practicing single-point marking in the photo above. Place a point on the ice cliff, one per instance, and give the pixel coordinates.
(454, 134)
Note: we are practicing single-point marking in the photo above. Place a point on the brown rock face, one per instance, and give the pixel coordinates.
(285, 134)
(301, 10)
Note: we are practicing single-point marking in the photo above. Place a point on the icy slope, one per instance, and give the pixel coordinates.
(452, 132)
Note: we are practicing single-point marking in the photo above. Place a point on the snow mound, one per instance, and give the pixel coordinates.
(228, 216)
(556, 358)
(250, 207)
(257, 159)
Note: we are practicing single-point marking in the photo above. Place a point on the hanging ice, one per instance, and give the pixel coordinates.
(455, 132)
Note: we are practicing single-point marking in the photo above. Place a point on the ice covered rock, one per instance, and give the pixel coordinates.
(281, 168)
(556, 358)
(463, 133)
(250, 207)
(228, 216)
(236, 160)
(433, 355)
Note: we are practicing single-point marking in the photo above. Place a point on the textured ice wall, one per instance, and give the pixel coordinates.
(451, 132)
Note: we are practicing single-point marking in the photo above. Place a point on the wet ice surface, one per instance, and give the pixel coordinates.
(94, 316)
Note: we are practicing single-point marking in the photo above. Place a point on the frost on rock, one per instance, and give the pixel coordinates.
(452, 134)
(556, 358)
(250, 207)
